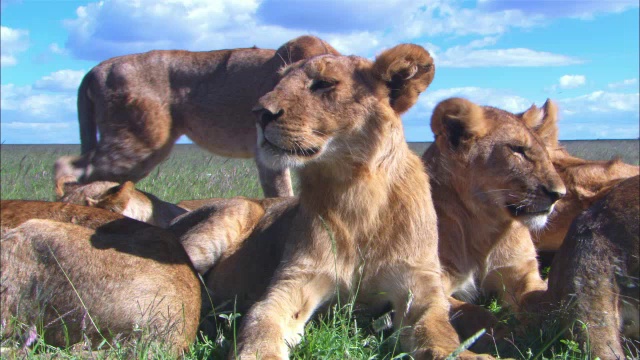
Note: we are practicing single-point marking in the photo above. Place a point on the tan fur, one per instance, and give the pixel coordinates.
(594, 277)
(364, 225)
(141, 104)
(86, 269)
(123, 199)
(491, 178)
(586, 180)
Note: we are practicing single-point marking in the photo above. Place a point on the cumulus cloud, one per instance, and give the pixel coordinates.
(472, 55)
(572, 81)
(105, 29)
(12, 42)
(623, 84)
(39, 105)
(60, 81)
(602, 102)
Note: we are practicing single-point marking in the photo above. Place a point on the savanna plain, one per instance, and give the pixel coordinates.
(342, 333)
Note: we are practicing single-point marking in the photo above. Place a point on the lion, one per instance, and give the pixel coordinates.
(140, 205)
(123, 199)
(78, 274)
(142, 103)
(364, 226)
(586, 181)
(594, 277)
(492, 180)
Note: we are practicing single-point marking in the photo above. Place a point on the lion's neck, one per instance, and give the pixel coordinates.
(358, 195)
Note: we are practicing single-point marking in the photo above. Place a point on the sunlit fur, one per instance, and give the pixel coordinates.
(365, 225)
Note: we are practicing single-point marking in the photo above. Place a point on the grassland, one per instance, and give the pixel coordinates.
(191, 173)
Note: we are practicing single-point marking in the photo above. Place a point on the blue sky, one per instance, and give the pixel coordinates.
(506, 53)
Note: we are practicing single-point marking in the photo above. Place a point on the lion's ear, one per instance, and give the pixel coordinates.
(544, 122)
(548, 128)
(407, 70)
(117, 198)
(65, 185)
(456, 120)
(304, 47)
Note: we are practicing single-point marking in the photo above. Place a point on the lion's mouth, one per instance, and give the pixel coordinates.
(517, 211)
(303, 152)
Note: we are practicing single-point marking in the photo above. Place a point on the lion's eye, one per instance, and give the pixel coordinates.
(323, 85)
(518, 149)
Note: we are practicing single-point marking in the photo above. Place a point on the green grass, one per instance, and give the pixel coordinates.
(191, 173)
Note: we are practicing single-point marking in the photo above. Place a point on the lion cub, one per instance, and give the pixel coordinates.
(595, 274)
(79, 273)
(490, 175)
(365, 226)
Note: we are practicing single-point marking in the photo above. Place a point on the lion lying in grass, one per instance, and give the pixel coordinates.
(595, 273)
(142, 103)
(77, 273)
(491, 180)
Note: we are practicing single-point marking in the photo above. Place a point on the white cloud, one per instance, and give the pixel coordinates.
(106, 29)
(38, 125)
(572, 81)
(12, 42)
(602, 102)
(56, 49)
(61, 80)
(624, 83)
(465, 56)
(37, 104)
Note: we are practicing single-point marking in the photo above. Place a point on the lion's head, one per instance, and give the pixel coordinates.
(321, 109)
(497, 164)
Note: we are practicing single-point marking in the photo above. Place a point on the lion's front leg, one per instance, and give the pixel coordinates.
(422, 315)
(513, 271)
(277, 322)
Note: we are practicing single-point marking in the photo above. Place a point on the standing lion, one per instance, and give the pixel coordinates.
(142, 103)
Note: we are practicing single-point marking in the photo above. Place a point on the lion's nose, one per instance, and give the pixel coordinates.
(266, 115)
(554, 193)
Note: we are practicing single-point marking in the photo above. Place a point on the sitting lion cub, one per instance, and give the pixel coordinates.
(365, 224)
(76, 273)
(490, 175)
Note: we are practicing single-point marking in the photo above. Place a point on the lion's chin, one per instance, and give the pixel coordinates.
(533, 220)
(278, 158)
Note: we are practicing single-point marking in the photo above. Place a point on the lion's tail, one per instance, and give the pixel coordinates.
(86, 116)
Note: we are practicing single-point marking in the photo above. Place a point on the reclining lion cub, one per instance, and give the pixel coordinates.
(586, 180)
(490, 175)
(595, 274)
(365, 224)
(77, 273)
(142, 103)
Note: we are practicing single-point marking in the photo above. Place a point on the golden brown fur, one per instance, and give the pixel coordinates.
(594, 277)
(84, 269)
(123, 199)
(491, 178)
(142, 103)
(586, 180)
(364, 225)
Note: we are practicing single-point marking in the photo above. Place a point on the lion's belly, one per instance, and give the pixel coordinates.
(219, 137)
